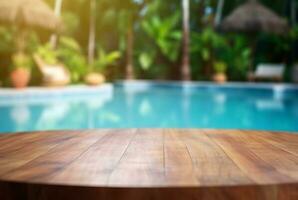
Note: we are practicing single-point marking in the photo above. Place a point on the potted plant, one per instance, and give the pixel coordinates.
(20, 74)
(95, 75)
(220, 72)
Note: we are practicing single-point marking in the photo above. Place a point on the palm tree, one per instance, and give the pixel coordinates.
(129, 70)
(92, 29)
(57, 11)
(293, 12)
(131, 10)
(218, 16)
(185, 52)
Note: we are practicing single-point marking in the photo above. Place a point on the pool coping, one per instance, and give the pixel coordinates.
(39, 94)
(55, 90)
(199, 84)
(136, 84)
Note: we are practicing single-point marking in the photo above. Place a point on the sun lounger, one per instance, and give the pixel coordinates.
(53, 75)
(268, 71)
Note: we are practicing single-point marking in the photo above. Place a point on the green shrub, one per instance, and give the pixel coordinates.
(206, 48)
(220, 67)
(104, 60)
(20, 60)
(48, 54)
(237, 55)
(70, 54)
(6, 41)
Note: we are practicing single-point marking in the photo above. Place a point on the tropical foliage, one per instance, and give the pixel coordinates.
(143, 39)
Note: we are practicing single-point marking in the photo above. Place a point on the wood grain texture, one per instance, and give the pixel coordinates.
(149, 164)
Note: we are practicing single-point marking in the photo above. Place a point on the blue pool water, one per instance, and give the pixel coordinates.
(157, 105)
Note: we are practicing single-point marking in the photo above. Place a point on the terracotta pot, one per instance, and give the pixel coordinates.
(20, 77)
(220, 78)
(94, 79)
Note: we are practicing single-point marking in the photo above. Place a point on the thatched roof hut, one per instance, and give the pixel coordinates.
(28, 13)
(253, 17)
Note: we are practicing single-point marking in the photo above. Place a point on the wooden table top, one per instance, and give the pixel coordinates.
(150, 158)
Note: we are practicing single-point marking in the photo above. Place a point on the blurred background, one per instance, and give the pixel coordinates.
(146, 39)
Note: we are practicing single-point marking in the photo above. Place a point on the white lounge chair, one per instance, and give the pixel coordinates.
(53, 75)
(268, 71)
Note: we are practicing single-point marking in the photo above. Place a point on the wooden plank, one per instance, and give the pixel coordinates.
(43, 167)
(179, 167)
(142, 164)
(26, 147)
(282, 160)
(19, 140)
(211, 164)
(252, 157)
(95, 165)
(286, 142)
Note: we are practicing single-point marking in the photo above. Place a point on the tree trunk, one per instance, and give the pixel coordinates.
(219, 10)
(92, 29)
(185, 53)
(253, 47)
(129, 52)
(54, 36)
(293, 12)
(21, 40)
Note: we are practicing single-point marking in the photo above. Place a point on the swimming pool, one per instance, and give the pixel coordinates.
(152, 104)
